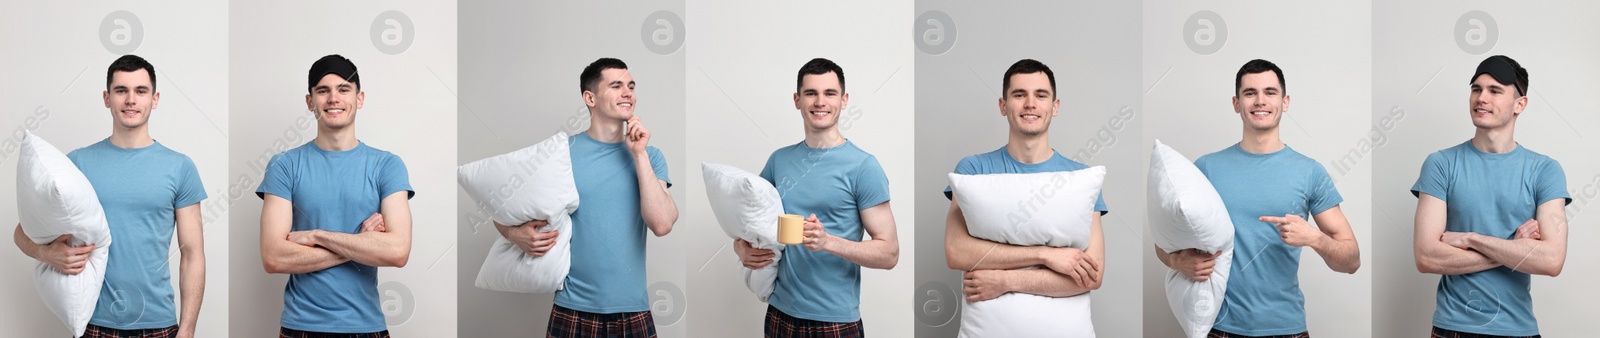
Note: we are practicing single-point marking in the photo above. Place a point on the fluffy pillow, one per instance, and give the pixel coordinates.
(1051, 208)
(528, 184)
(1186, 212)
(54, 199)
(747, 206)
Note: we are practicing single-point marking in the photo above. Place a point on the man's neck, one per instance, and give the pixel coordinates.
(131, 138)
(825, 138)
(1029, 149)
(605, 130)
(1495, 140)
(336, 139)
(1261, 141)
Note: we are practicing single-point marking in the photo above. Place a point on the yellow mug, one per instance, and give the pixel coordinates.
(791, 229)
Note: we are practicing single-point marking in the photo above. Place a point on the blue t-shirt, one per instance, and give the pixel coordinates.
(1264, 296)
(1490, 194)
(334, 191)
(836, 184)
(140, 189)
(1001, 162)
(608, 232)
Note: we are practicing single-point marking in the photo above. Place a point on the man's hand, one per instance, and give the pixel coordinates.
(374, 223)
(304, 237)
(751, 257)
(982, 285)
(185, 332)
(1529, 230)
(64, 257)
(528, 238)
(1295, 231)
(816, 237)
(1074, 263)
(1194, 264)
(636, 136)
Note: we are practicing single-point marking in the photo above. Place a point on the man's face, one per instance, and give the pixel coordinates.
(612, 98)
(1492, 104)
(820, 100)
(1260, 101)
(334, 101)
(1029, 104)
(130, 97)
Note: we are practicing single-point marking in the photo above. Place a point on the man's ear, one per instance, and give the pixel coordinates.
(588, 99)
(361, 99)
(155, 100)
(105, 95)
(1519, 105)
(797, 101)
(309, 106)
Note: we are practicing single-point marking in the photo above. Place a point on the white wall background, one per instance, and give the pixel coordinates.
(56, 72)
(1093, 50)
(742, 63)
(520, 66)
(1421, 69)
(410, 111)
(1324, 49)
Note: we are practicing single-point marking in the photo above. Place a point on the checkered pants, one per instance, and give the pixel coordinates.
(782, 325)
(284, 332)
(1219, 334)
(1442, 333)
(569, 323)
(96, 331)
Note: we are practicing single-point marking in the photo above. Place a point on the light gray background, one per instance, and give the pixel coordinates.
(55, 74)
(520, 69)
(410, 111)
(1324, 50)
(1419, 68)
(742, 63)
(1093, 49)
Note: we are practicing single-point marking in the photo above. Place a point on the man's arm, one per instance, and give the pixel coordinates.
(1338, 248)
(278, 254)
(1432, 254)
(1543, 256)
(191, 268)
(655, 203)
(376, 248)
(881, 251)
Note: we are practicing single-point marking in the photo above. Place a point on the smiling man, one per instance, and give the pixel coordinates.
(333, 211)
(1269, 190)
(1490, 214)
(147, 190)
(990, 269)
(842, 192)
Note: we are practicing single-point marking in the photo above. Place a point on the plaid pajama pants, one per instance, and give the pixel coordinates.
(96, 331)
(1442, 333)
(782, 325)
(284, 332)
(569, 323)
(1219, 334)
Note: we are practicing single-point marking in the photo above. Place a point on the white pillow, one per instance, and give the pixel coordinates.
(747, 207)
(54, 199)
(528, 184)
(1052, 208)
(1186, 212)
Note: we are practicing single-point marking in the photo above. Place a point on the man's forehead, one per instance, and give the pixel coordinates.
(133, 78)
(1486, 80)
(822, 81)
(616, 74)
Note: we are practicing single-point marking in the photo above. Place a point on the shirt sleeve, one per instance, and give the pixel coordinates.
(965, 167)
(1552, 183)
(277, 180)
(871, 185)
(190, 190)
(394, 178)
(1323, 194)
(1434, 178)
(658, 163)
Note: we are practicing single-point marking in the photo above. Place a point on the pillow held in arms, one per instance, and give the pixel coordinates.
(747, 207)
(54, 199)
(1052, 209)
(1186, 212)
(533, 183)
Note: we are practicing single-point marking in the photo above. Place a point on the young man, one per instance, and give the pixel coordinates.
(315, 199)
(147, 191)
(990, 269)
(1269, 190)
(1471, 199)
(842, 191)
(623, 183)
